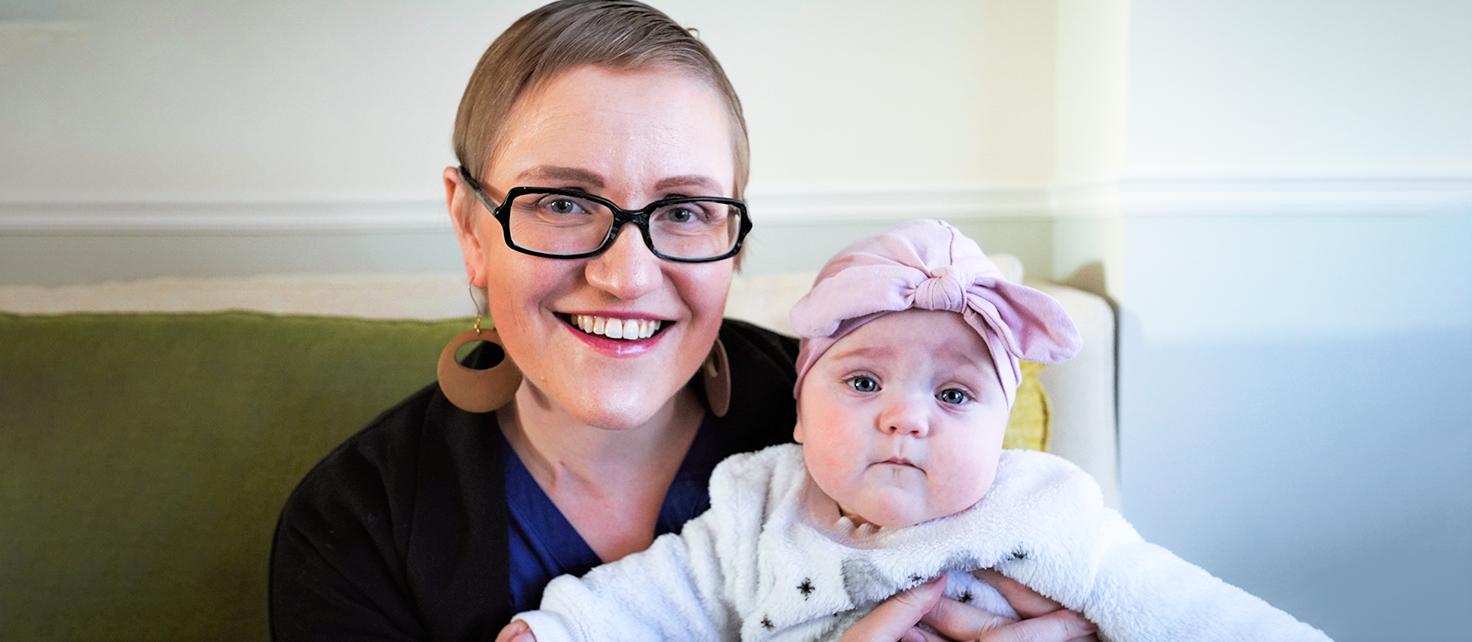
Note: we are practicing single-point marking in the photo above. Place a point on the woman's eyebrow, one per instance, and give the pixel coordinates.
(561, 174)
(575, 175)
(690, 180)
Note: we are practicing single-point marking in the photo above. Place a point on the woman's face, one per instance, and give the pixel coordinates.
(632, 137)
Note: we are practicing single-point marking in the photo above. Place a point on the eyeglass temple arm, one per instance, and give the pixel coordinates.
(475, 188)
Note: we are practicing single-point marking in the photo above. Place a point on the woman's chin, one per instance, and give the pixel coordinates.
(600, 397)
(615, 420)
(622, 410)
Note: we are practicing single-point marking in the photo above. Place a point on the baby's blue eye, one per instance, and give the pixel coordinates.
(953, 396)
(864, 383)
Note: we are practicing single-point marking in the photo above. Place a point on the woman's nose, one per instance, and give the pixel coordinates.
(627, 269)
(906, 415)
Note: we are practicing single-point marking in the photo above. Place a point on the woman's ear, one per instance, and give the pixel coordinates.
(462, 208)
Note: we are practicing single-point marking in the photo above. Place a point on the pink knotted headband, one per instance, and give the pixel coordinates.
(930, 265)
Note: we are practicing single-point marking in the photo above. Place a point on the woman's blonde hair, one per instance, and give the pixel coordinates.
(620, 34)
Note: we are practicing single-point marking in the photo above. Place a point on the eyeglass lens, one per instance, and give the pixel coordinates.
(562, 224)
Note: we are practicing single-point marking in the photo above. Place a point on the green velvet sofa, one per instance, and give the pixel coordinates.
(144, 458)
(150, 431)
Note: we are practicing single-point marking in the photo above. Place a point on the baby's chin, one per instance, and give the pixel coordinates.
(891, 514)
(902, 511)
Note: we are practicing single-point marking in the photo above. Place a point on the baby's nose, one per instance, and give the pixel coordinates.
(906, 416)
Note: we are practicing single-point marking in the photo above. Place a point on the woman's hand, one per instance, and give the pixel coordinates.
(1043, 620)
(896, 617)
(516, 631)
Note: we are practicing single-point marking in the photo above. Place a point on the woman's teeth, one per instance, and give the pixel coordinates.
(627, 329)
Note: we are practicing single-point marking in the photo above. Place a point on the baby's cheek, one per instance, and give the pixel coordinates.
(963, 482)
(825, 460)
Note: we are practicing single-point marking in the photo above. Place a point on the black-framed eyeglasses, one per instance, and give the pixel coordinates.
(572, 224)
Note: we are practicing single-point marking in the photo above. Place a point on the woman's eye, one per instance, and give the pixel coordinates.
(863, 383)
(953, 396)
(684, 214)
(562, 206)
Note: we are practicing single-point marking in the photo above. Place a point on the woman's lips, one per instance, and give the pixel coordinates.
(602, 325)
(615, 327)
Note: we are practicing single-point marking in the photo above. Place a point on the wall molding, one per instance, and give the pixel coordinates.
(861, 205)
(1212, 196)
(205, 217)
(1232, 196)
(399, 215)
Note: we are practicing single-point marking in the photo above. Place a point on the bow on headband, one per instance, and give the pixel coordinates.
(930, 265)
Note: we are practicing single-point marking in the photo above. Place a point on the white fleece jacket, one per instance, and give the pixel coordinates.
(772, 560)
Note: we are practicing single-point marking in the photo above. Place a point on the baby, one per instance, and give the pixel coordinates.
(906, 376)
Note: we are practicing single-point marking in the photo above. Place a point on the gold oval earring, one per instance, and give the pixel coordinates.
(474, 390)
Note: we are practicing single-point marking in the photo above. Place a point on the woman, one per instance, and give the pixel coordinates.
(437, 522)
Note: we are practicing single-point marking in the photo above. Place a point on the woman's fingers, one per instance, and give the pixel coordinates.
(959, 621)
(895, 618)
(1043, 619)
(1025, 601)
(516, 631)
(918, 634)
(1059, 626)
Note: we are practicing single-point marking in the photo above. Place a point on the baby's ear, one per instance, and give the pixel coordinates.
(797, 432)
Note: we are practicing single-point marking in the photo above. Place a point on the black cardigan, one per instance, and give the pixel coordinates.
(400, 532)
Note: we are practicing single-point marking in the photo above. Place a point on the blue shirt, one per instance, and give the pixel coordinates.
(543, 544)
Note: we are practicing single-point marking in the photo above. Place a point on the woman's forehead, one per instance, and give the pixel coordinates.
(615, 129)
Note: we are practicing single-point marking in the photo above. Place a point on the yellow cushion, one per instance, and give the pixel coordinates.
(1027, 428)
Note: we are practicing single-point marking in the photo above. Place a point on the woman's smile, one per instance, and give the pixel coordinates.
(617, 336)
(626, 328)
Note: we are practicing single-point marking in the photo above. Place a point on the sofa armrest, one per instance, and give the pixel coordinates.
(1082, 389)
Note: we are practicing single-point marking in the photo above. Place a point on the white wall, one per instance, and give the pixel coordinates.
(1288, 88)
(290, 100)
(1091, 113)
(1296, 303)
(157, 130)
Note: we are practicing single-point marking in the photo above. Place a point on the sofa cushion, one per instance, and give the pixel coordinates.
(1028, 426)
(144, 459)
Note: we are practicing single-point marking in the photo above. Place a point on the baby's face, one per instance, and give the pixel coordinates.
(901, 421)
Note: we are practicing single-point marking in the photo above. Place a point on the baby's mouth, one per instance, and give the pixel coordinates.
(615, 328)
(900, 461)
